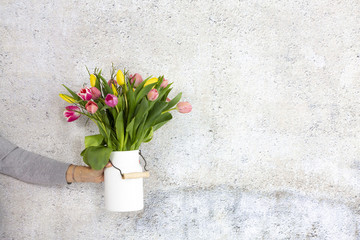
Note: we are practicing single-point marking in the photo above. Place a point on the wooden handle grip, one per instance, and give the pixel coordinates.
(135, 175)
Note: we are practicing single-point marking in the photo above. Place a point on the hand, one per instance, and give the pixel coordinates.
(85, 174)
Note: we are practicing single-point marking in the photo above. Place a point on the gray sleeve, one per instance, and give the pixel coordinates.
(30, 167)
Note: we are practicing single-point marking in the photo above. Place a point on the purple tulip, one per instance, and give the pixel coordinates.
(70, 115)
(111, 100)
(164, 83)
(184, 107)
(152, 95)
(137, 78)
(91, 107)
(95, 93)
(85, 94)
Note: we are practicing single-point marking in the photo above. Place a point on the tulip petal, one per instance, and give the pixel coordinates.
(67, 98)
(114, 89)
(120, 78)
(92, 80)
(150, 81)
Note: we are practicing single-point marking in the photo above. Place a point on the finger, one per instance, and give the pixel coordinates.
(108, 165)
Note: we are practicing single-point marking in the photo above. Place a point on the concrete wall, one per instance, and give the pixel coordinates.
(270, 151)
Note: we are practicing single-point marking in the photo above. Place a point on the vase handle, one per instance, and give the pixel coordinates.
(135, 175)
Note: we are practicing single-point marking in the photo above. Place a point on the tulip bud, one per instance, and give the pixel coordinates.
(92, 80)
(150, 81)
(120, 78)
(111, 100)
(91, 107)
(164, 83)
(112, 82)
(184, 107)
(114, 89)
(85, 94)
(67, 98)
(70, 115)
(95, 93)
(152, 95)
(137, 78)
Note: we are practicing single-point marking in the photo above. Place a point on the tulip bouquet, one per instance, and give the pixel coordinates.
(126, 109)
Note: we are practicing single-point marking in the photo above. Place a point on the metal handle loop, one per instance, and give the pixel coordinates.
(122, 175)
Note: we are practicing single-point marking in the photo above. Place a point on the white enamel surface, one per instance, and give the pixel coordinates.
(123, 195)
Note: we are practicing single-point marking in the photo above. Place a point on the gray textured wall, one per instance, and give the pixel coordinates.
(270, 151)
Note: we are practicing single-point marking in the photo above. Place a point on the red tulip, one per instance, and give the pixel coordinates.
(137, 78)
(91, 107)
(152, 95)
(70, 115)
(164, 83)
(85, 94)
(95, 93)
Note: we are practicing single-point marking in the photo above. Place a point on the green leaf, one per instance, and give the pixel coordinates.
(97, 83)
(140, 129)
(132, 104)
(105, 107)
(119, 125)
(106, 122)
(120, 103)
(149, 135)
(173, 102)
(101, 130)
(159, 81)
(130, 128)
(161, 120)
(166, 94)
(75, 96)
(97, 156)
(93, 140)
(155, 113)
(140, 111)
(100, 105)
(83, 154)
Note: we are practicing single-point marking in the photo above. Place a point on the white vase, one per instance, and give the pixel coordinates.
(123, 195)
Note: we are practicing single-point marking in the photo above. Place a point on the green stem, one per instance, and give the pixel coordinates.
(171, 109)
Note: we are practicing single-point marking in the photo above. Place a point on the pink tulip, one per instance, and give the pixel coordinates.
(184, 107)
(70, 115)
(138, 79)
(164, 83)
(85, 94)
(168, 99)
(91, 107)
(112, 81)
(95, 93)
(153, 95)
(111, 100)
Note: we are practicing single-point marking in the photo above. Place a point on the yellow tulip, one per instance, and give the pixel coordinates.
(120, 78)
(92, 80)
(67, 98)
(114, 89)
(150, 81)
